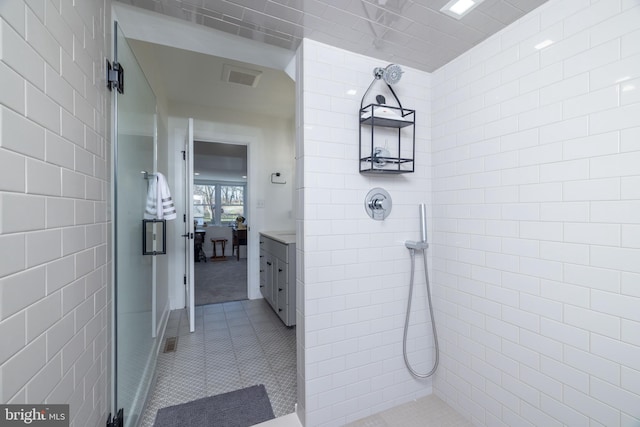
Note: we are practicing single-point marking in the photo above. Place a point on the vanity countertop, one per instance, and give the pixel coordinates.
(287, 237)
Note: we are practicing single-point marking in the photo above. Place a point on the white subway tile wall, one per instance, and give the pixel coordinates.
(54, 192)
(536, 250)
(354, 270)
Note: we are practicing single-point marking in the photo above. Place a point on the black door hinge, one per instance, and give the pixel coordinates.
(185, 279)
(115, 76)
(184, 155)
(118, 421)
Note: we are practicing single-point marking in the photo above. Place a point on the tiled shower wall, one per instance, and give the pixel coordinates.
(354, 271)
(536, 178)
(54, 190)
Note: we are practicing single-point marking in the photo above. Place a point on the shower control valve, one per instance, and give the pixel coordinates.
(378, 204)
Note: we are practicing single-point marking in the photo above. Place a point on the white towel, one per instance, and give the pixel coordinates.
(159, 202)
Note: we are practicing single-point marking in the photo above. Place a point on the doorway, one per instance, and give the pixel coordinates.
(261, 119)
(220, 217)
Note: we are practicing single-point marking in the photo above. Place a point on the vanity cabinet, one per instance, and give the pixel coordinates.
(278, 275)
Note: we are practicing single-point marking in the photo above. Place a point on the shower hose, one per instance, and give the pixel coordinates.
(433, 322)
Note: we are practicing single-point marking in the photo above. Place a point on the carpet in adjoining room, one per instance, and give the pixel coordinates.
(240, 408)
(220, 281)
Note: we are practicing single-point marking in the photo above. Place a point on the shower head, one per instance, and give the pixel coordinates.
(391, 74)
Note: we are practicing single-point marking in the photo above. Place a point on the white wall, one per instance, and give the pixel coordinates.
(536, 217)
(55, 263)
(269, 206)
(353, 272)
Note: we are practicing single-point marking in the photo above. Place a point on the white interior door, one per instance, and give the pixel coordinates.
(189, 227)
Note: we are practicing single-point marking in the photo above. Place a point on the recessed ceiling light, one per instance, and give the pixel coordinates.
(244, 176)
(544, 44)
(459, 8)
(196, 173)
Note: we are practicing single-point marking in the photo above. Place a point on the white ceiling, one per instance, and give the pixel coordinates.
(173, 41)
(193, 78)
(412, 33)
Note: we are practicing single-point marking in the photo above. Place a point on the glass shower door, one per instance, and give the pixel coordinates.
(134, 153)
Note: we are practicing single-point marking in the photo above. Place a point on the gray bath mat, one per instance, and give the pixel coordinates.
(240, 408)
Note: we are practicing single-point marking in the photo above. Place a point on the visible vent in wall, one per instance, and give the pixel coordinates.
(170, 344)
(240, 75)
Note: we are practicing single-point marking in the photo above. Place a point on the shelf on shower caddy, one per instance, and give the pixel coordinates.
(372, 164)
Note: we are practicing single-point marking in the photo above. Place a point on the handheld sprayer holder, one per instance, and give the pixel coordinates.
(419, 246)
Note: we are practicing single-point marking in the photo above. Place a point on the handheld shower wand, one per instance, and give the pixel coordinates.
(422, 245)
(423, 222)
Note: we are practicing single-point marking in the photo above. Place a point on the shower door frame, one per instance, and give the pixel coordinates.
(134, 185)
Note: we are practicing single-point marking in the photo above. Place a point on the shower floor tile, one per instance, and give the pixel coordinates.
(236, 344)
(429, 411)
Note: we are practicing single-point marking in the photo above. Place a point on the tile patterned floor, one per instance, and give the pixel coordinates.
(235, 345)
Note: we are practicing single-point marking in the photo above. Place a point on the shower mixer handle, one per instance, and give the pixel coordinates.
(376, 204)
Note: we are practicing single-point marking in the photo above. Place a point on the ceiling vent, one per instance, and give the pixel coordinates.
(240, 75)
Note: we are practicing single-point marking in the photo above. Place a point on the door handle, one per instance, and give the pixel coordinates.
(188, 235)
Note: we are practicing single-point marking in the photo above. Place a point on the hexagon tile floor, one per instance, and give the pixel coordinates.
(235, 345)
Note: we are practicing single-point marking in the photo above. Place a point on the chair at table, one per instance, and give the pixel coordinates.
(198, 246)
(239, 239)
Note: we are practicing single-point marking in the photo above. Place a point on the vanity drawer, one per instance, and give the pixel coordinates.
(274, 247)
(278, 277)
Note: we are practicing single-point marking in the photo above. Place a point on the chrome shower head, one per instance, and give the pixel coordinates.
(391, 74)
